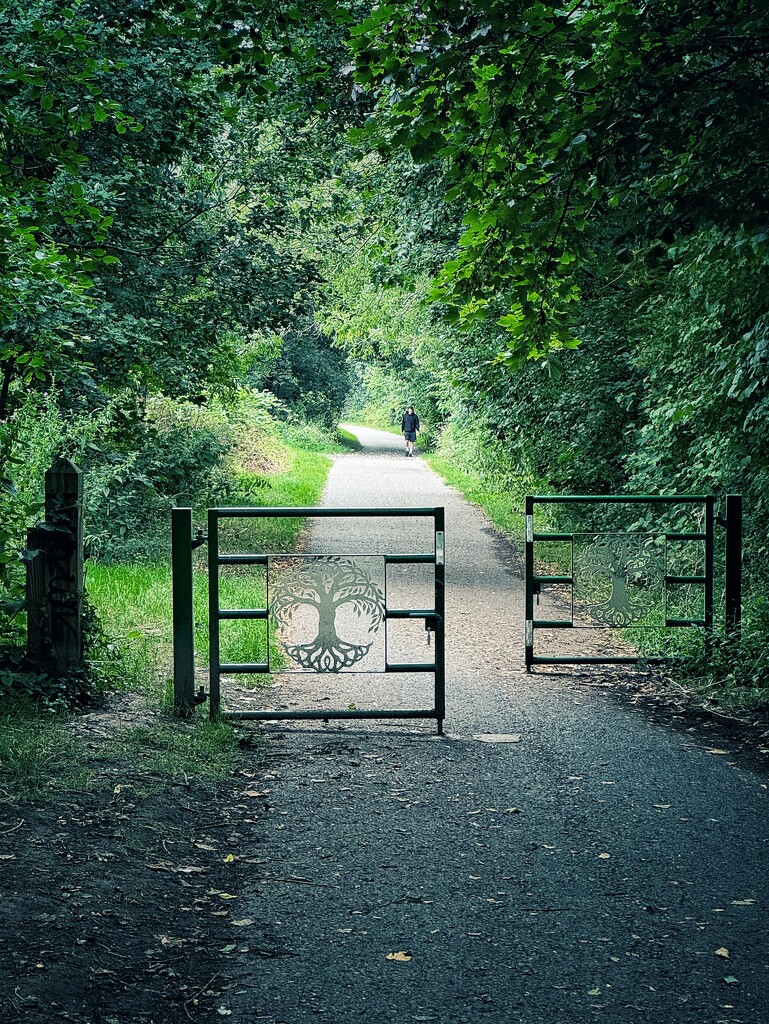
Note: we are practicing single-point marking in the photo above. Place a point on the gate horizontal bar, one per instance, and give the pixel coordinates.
(553, 536)
(235, 559)
(552, 623)
(416, 667)
(319, 513)
(616, 499)
(685, 622)
(243, 613)
(322, 716)
(564, 660)
(405, 613)
(257, 666)
(686, 536)
(403, 559)
(242, 559)
(553, 579)
(686, 579)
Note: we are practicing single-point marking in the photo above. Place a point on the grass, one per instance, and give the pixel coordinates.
(347, 440)
(37, 754)
(200, 752)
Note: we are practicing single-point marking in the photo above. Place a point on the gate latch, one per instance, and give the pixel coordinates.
(536, 589)
(429, 627)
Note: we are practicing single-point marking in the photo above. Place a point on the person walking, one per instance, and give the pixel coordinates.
(410, 428)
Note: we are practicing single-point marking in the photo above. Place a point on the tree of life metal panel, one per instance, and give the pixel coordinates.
(619, 579)
(327, 612)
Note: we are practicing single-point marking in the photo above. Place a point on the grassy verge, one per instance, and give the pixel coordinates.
(43, 753)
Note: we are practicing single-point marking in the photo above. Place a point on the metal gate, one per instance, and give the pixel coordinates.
(656, 578)
(322, 613)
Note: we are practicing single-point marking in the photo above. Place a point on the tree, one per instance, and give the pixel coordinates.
(546, 116)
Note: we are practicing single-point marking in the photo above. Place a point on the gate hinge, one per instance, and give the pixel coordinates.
(199, 539)
(200, 697)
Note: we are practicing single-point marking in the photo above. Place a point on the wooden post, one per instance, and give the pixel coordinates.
(55, 574)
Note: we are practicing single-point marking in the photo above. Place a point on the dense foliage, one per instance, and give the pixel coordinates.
(152, 174)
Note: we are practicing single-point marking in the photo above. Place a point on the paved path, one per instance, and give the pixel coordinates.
(594, 867)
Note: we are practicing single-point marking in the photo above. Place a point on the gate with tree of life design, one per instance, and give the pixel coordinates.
(322, 614)
(655, 573)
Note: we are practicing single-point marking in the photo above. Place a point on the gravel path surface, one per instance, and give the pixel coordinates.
(555, 858)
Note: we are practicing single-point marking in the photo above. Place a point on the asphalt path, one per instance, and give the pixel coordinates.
(556, 857)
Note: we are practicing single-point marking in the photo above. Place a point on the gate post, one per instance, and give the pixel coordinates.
(183, 617)
(529, 584)
(733, 567)
(55, 574)
(440, 618)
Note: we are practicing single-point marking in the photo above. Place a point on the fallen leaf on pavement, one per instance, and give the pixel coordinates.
(723, 952)
(402, 956)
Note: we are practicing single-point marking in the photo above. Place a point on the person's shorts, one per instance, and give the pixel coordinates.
(410, 435)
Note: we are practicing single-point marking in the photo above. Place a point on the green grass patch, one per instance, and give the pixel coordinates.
(38, 756)
(191, 752)
(347, 440)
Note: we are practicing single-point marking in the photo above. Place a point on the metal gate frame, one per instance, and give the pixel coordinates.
(185, 697)
(732, 522)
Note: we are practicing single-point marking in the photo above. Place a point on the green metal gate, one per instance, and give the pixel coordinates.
(629, 578)
(310, 601)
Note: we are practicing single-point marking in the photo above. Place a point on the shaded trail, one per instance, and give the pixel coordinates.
(588, 868)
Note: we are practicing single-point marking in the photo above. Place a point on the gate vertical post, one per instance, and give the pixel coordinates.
(733, 568)
(710, 520)
(529, 577)
(183, 616)
(440, 617)
(214, 658)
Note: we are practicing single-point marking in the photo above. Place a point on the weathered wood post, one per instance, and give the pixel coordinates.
(55, 574)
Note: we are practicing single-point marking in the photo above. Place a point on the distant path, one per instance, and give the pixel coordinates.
(589, 869)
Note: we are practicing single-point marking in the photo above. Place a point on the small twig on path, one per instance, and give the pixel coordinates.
(195, 995)
(15, 827)
(407, 898)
